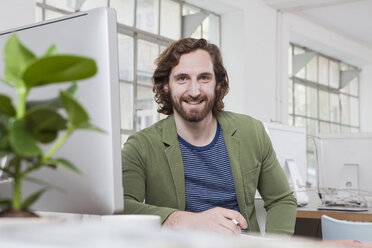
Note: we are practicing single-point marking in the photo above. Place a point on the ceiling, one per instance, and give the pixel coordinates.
(350, 18)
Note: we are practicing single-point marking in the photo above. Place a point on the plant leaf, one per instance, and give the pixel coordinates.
(76, 113)
(57, 69)
(46, 122)
(54, 102)
(64, 163)
(21, 139)
(3, 137)
(52, 50)
(31, 199)
(91, 127)
(6, 106)
(16, 57)
(4, 153)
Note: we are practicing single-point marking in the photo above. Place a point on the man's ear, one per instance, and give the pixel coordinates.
(166, 87)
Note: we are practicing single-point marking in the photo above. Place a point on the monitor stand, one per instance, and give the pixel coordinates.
(299, 189)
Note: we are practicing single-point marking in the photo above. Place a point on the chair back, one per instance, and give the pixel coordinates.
(333, 229)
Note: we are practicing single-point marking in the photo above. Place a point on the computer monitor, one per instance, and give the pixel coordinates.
(99, 189)
(289, 144)
(344, 164)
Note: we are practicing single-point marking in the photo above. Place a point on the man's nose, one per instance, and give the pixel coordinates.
(195, 88)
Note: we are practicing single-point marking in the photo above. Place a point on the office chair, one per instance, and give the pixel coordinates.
(333, 229)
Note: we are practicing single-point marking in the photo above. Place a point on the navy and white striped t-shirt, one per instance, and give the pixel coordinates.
(208, 178)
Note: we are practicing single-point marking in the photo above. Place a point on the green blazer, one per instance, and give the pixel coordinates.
(154, 182)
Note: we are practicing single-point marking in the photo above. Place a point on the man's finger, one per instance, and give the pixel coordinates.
(227, 223)
(231, 214)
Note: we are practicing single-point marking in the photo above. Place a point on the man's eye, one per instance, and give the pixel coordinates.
(204, 78)
(181, 78)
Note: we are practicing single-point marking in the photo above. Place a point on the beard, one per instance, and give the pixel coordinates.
(193, 115)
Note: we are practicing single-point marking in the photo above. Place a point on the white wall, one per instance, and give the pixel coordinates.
(254, 44)
(365, 92)
(14, 13)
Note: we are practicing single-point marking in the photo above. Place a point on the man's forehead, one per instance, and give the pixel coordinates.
(198, 61)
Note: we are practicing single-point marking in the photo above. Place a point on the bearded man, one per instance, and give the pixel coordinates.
(199, 168)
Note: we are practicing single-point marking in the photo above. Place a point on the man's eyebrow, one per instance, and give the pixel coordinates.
(182, 74)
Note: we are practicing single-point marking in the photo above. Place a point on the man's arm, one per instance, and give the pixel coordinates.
(213, 220)
(134, 181)
(280, 204)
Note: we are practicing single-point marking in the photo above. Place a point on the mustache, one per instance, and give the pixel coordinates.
(194, 99)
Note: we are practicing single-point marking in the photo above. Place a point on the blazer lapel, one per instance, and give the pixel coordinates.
(233, 150)
(174, 157)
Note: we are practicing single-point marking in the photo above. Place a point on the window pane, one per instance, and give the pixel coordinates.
(334, 76)
(324, 105)
(345, 129)
(312, 102)
(354, 111)
(205, 29)
(290, 120)
(147, 53)
(323, 70)
(147, 16)
(312, 127)
(310, 144)
(197, 34)
(300, 99)
(324, 127)
(146, 107)
(312, 69)
(91, 4)
(126, 105)
(38, 14)
(354, 87)
(354, 130)
(345, 109)
(335, 128)
(311, 169)
(213, 29)
(335, 108)
(124, 138)
(68, 5)
(290, 61)
(124, 11)
(290, 96)
(52, 14)
(125, 44)
(189, 10)
(300, 73)
(300, 122)
(170, 19)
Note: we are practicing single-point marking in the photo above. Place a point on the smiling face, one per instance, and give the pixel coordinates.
(192, 86)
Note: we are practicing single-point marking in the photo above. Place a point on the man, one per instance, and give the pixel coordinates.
(200, 167)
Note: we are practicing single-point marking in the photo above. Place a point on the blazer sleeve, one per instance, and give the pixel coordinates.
(134, 181)
(279, 201)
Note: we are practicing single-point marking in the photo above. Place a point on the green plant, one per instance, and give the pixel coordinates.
(24, 128)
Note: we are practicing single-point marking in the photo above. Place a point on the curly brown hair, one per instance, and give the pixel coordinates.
(170, 57)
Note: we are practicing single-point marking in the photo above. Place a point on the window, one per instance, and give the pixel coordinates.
(145, 28)
(323, 97)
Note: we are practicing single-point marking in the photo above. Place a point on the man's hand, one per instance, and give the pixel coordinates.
(215, 220)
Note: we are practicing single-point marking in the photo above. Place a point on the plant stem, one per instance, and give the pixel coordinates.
(21, 107)
(16, 203)
(58, 144)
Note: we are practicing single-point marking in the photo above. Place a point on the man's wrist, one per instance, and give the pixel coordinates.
(174, 218)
